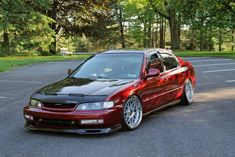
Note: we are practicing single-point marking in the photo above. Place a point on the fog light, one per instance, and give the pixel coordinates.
(92, 121)
(100, 121)
(28, 117)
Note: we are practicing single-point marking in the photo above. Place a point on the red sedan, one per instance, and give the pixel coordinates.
(112, 90)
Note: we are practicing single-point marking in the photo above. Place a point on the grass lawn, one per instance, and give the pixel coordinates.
(225, 54)
(7, 63)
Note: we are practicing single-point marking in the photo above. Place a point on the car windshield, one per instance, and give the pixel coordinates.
(111, 66)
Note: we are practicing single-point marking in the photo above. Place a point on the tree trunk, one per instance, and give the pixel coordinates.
(220, 44)
(53, 14)
(121, 28)
(179, 28)
(220, 40)
(210, 40)
(6, 43)
(191, 44)
(232, 47)
(201, 39)
(156, 31)
(164, 34)
(173, 23)
(161, 33)
(149, 35)
(53, 47)
(129, 33)
(145, 39)
(152, 37)
(174, 29)
(156, 37)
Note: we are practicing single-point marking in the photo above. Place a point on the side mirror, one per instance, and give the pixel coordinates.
(70, 71)
(152, 73)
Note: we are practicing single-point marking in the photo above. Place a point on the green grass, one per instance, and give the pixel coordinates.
(7, 63)
(225, 54)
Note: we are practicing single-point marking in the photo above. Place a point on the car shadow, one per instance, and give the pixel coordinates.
(162, 111)
(216, 99)
(72, 135)
(147, 118)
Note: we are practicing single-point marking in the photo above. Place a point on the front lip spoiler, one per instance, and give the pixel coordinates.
(78, 131)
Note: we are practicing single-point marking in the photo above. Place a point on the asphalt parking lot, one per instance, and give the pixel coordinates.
(204, 129)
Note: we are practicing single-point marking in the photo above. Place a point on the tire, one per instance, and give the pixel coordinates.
(132, 113)
(187, 96)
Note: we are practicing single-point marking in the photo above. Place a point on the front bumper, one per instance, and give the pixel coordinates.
(79, 131)
(70, 122)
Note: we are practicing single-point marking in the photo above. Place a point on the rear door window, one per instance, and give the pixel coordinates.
(169, 61)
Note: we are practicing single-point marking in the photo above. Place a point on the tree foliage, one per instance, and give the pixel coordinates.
(208, 24)
(37, 25)
(80, 17)
(23, 29)
(34, 27)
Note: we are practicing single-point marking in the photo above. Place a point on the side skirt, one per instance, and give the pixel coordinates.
(162, 107)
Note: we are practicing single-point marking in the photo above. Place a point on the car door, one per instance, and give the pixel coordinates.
(174, 74)
(154, 89)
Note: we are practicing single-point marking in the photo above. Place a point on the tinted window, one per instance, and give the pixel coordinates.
(111, 66)
(169, 61)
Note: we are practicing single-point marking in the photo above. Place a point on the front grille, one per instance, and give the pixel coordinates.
(57, 123)
(59, 105)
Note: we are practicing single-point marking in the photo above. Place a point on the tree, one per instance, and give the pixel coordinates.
(78, 17)
(140, 23)
(208, 23)
(168, 10)
(22, 26)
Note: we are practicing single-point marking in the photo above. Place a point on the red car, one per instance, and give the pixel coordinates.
(112, 90)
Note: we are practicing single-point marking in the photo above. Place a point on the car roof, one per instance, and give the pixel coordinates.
(146, 51)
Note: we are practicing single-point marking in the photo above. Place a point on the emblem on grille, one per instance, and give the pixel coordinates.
(57, 104)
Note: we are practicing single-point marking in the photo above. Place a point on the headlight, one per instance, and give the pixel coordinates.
(95, 105)
(35, 103)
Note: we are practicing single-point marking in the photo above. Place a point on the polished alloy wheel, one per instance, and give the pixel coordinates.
(133, 113)
(189, 91)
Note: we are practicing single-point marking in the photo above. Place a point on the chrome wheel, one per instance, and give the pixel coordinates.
(133, 113)
(189, 91)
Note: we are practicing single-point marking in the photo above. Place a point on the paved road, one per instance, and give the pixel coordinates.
(204, 129)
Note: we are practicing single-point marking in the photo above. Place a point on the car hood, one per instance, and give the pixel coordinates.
(81, 86)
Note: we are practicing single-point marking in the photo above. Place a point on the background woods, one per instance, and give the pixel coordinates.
(42, 27)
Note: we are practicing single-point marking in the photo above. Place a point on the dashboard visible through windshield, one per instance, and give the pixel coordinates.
(111, 66)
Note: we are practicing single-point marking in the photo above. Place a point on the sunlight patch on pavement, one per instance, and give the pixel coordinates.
(217, 94)
(228, 81)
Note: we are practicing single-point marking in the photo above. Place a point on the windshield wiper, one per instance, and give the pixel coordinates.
(72, 77)
(50, 93)
(102, 76)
